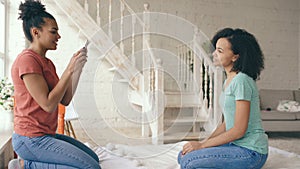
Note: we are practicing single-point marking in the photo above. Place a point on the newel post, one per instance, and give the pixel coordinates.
(218, 81)
(159, 103)
(146, 71)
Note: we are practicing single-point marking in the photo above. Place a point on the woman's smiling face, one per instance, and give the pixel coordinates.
(49, 34)
(223, 55)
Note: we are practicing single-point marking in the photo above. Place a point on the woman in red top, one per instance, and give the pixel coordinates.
(38, 91)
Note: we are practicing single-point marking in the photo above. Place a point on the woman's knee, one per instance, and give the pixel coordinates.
(183, 160)
(179, 157)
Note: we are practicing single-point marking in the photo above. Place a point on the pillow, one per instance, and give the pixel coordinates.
(288, 106)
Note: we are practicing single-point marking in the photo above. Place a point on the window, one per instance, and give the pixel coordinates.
(3, 36)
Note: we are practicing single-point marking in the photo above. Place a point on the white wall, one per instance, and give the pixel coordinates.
(275, 23)
(299, 48)
(16, 38)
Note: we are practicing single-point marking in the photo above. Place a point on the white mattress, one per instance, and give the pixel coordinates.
(118, 156)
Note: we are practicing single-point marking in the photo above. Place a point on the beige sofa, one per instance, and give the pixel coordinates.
(278, 121)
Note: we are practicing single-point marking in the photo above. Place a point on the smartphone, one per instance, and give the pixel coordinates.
(87, 42)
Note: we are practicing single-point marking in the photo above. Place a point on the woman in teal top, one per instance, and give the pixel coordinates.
(240, 141)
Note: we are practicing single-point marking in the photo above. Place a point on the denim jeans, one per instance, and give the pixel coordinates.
(227, 156)
(57, 152)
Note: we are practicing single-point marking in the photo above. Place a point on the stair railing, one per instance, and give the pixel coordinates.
(152, 79)
(213, 80)
(198, 74)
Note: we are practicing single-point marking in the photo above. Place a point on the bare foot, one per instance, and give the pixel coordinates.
(16, 164)
(22, 163)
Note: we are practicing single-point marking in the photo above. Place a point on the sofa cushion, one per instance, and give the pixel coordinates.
(297, 95)
(269, 98)
(298, 115)
(288, 106)
(278, 115)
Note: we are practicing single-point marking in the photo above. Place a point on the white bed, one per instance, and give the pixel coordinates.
(118, 156)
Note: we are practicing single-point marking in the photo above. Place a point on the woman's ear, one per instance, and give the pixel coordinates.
(235, 57)
(35, 32)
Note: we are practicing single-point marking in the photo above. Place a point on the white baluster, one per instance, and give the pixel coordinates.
(86, 6)
(152, 79)
(218, 76)
(188, 67)
(133, 40)
(122, 9)
(179, 62)
(98, 13)
(210, 91)
(159, 102)
(146, 73)
(201, 77)
(205, 83)
(109, 19)
(197, 66)
(181, 65)
(185, 66)
(191, 64)
(146, 21)
(193, 71)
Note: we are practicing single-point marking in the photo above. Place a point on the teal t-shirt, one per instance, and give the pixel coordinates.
(243, 87)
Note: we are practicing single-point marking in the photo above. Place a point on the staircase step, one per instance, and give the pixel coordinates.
(185, 120)
(135, 98)
(112, 69)
(183, 99)
(123, 81)
(181, 136)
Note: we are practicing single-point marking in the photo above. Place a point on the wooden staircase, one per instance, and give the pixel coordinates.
(171, 115)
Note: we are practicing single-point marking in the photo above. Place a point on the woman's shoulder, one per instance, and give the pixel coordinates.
(28, 55)
(243, 77)
(27, 58)
(244, 80)
(28, 52)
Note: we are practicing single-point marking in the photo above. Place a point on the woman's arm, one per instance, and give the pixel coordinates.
(219, 130)
(72, 86)
(237, 131)
(38, 88)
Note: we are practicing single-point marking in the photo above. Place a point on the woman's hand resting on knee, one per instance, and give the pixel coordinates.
(191, 146)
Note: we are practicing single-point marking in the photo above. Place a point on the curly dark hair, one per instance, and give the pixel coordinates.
(244, 44)
(32, 14)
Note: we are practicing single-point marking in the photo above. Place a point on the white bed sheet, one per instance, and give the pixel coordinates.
(118, 156)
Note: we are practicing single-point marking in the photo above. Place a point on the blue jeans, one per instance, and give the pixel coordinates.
(57, 152)
(227, 156)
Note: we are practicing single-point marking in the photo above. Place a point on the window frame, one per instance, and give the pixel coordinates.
(3, 55)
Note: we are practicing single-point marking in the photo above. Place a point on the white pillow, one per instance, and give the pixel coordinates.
(288, 106)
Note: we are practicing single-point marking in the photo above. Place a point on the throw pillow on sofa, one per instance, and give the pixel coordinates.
(288, 106)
